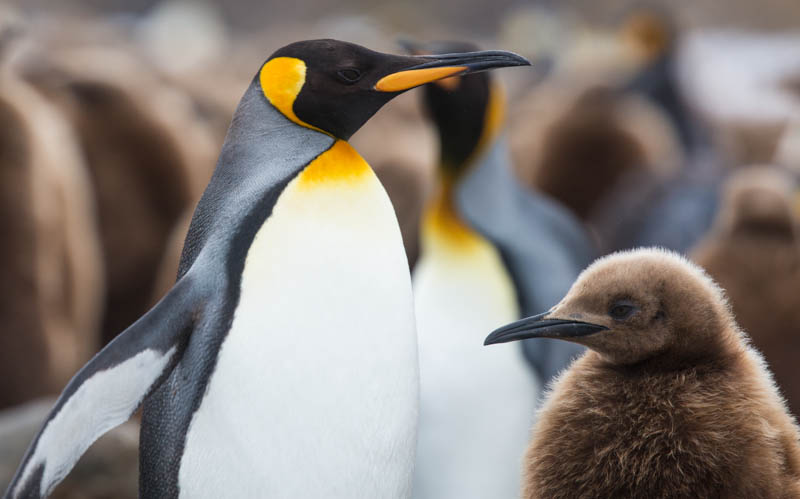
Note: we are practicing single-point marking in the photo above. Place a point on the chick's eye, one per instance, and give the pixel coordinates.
(621, 310)
(349, 75)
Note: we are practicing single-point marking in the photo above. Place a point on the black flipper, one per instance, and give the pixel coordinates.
(107, 391)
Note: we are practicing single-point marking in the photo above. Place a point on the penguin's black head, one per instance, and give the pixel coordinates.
(458, 105)
(335, 87)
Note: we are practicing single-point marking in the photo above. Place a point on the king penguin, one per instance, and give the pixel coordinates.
(283, 363)
(534, 234)
(677, 211)
(469, 445)
(670, 402)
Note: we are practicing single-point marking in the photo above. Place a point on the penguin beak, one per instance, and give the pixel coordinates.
(539, 326)
(435, 67)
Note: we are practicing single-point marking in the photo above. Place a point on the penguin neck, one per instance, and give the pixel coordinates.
(453, 163)
(706, 354)
(263, 152)
(443, 226)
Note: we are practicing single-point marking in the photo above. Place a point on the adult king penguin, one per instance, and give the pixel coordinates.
(535, 235)
(470, 446)
(283, 363)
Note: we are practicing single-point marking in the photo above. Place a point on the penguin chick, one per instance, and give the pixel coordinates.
(671, 401)
(753, 253)
(51, 297)
(585, 152)
(146, 155)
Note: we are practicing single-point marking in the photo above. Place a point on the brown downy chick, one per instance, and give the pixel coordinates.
(754, 252)
(147, 157)
(51, 296)
(669, 402)
(586, 148)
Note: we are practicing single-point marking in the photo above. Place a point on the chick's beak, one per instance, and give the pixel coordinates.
(428, 68)
(539, 326)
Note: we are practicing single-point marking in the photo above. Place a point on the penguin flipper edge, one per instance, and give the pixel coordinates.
(106, 392)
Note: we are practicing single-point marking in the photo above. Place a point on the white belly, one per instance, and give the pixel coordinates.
(477, 403)
(316, 386)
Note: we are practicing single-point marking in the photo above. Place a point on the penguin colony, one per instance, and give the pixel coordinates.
(287, 345)
(293, 218)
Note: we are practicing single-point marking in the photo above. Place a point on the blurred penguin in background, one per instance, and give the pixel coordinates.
(147, 155)
(50, 258)
(585, 152)
(472, 431)
(576, 138)
(487, 244)
(647, 210)
(753, 252)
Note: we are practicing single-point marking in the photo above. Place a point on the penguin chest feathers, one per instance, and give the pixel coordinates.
(314, 393)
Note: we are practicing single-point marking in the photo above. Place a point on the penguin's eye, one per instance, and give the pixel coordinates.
(349, 75)
(621, 310)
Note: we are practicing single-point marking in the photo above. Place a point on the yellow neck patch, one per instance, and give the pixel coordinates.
(340, 164)
(281, 80)
(493, 120)
(443, 228)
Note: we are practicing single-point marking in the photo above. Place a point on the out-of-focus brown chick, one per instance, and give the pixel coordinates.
(753, 252)
(50, 257)
(148, 153)
(574, 145)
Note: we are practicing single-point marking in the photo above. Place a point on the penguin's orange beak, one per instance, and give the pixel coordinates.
(539, 326)
(435, 67)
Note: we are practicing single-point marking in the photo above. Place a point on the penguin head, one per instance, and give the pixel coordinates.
(335, 87)
(636, 306)
(466, 110)
(758, 201)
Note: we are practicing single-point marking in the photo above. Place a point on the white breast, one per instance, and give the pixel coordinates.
(316, 385)
(477, 403)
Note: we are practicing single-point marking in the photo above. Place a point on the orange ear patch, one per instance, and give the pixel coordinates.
(281, 80)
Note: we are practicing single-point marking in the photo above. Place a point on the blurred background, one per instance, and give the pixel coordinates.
(672, 123)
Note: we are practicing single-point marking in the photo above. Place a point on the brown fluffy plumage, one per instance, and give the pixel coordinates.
(753, 252)
(585, 149)
(51, 296)
(670, 402)
(146, 159)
